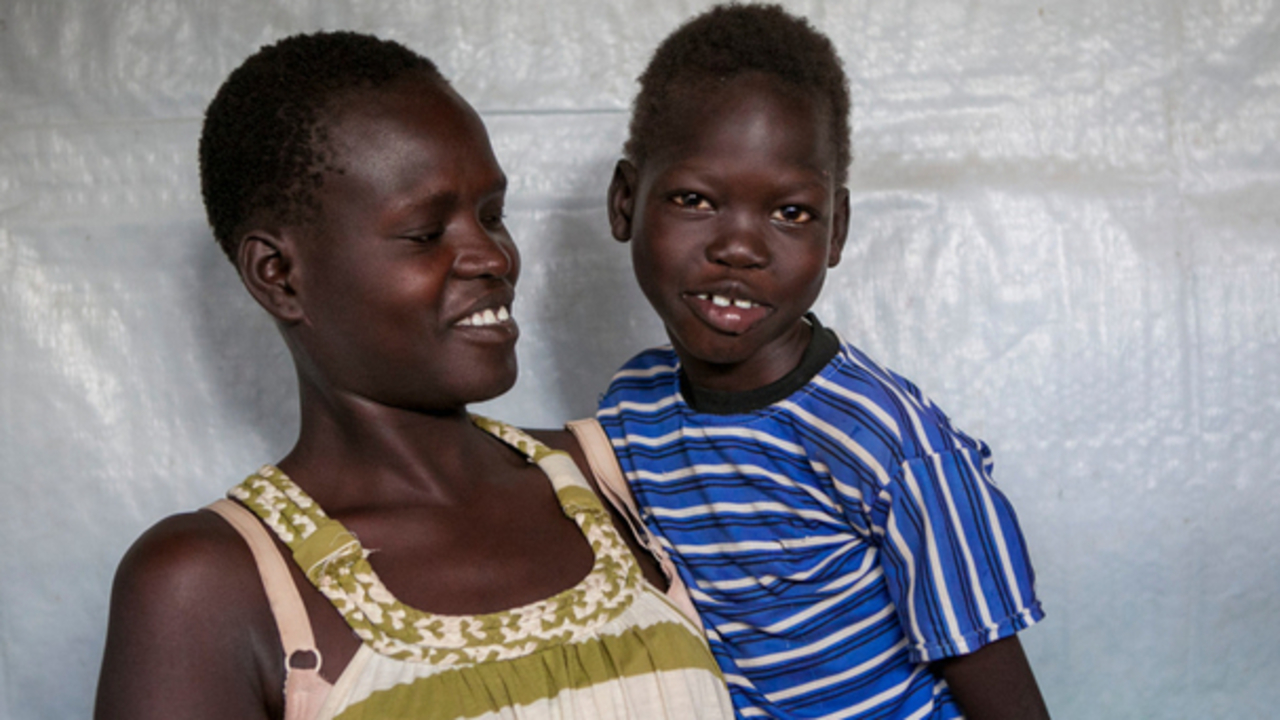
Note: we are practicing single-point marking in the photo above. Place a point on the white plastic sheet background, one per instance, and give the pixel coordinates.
(1066, 228)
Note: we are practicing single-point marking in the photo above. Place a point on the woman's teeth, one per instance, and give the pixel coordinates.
(486, 317)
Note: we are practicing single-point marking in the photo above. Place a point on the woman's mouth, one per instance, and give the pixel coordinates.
(486, 317)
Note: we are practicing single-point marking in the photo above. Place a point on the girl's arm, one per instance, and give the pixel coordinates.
(995, 682)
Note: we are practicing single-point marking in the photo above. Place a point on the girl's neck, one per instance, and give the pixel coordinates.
(821, 345)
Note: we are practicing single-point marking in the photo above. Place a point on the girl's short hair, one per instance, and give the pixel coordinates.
(730, 40)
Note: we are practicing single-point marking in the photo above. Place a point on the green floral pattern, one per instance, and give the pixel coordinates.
(338, 566)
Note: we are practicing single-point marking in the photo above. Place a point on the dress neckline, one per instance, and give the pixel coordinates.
(337, 564)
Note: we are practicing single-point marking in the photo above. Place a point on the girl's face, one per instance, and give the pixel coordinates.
(733, 226)
(407, 275)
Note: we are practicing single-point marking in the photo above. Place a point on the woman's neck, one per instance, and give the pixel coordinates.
(353, 452)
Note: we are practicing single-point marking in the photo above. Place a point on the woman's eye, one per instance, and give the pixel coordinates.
(691, 200)
(793, 214)
(425, 236)
(494, 220)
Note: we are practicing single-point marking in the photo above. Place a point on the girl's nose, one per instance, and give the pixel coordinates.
(739, 243)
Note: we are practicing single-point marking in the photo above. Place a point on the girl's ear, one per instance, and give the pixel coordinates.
(268, 269)
(839, 226)
(622, 200)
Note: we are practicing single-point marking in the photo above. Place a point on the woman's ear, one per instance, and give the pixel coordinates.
(839, 227)
(268, 270)
(622, 200)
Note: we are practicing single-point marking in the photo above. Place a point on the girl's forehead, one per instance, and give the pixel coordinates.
(756, 107)
(702, 102)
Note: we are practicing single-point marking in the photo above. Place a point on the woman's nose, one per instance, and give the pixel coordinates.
(486, 252)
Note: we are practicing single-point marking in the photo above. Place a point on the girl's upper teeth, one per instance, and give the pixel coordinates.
(722, 301)
(486, 317)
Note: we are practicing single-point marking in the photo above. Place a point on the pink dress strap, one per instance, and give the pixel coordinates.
(604, 465)
(304, 688)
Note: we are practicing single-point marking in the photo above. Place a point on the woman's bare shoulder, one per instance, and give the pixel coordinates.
(189, 560)
(190, 627)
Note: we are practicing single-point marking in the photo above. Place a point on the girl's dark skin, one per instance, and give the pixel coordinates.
(743, 204)
(408, 241)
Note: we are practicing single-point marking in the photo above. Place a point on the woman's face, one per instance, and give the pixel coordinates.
(407, 276)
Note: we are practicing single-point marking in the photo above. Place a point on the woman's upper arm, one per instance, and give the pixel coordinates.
(186, 634)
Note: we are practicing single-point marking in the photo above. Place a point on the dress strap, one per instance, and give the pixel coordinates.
(305, 689)
(604, 465)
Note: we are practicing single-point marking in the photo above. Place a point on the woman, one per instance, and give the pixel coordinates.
(437, 571)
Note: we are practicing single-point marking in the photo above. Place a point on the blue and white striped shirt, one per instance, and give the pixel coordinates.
(835, 541)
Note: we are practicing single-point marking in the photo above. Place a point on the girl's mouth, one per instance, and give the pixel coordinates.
(733, 316)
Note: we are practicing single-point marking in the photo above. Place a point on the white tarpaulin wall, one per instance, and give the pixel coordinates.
(1066, 228)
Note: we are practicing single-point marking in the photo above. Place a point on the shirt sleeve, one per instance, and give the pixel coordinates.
(954, 558)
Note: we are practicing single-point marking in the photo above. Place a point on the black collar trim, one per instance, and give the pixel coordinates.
(823, 346)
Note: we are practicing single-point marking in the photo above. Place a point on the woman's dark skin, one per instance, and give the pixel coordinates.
(408, 241)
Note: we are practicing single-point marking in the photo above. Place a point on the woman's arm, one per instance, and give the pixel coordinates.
(190, 633)
(995, 682)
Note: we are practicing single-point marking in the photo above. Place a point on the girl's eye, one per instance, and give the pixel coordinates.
(691, 200)
(793, 214)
